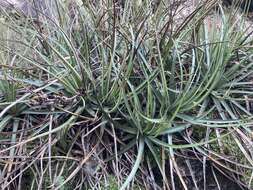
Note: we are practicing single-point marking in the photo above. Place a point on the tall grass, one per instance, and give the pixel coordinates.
(124, 89)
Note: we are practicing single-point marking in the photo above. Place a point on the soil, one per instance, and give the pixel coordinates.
(220, 183)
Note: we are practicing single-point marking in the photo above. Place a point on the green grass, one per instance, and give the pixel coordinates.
(112, 97)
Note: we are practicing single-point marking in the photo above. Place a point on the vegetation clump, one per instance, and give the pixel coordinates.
(124, 95)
